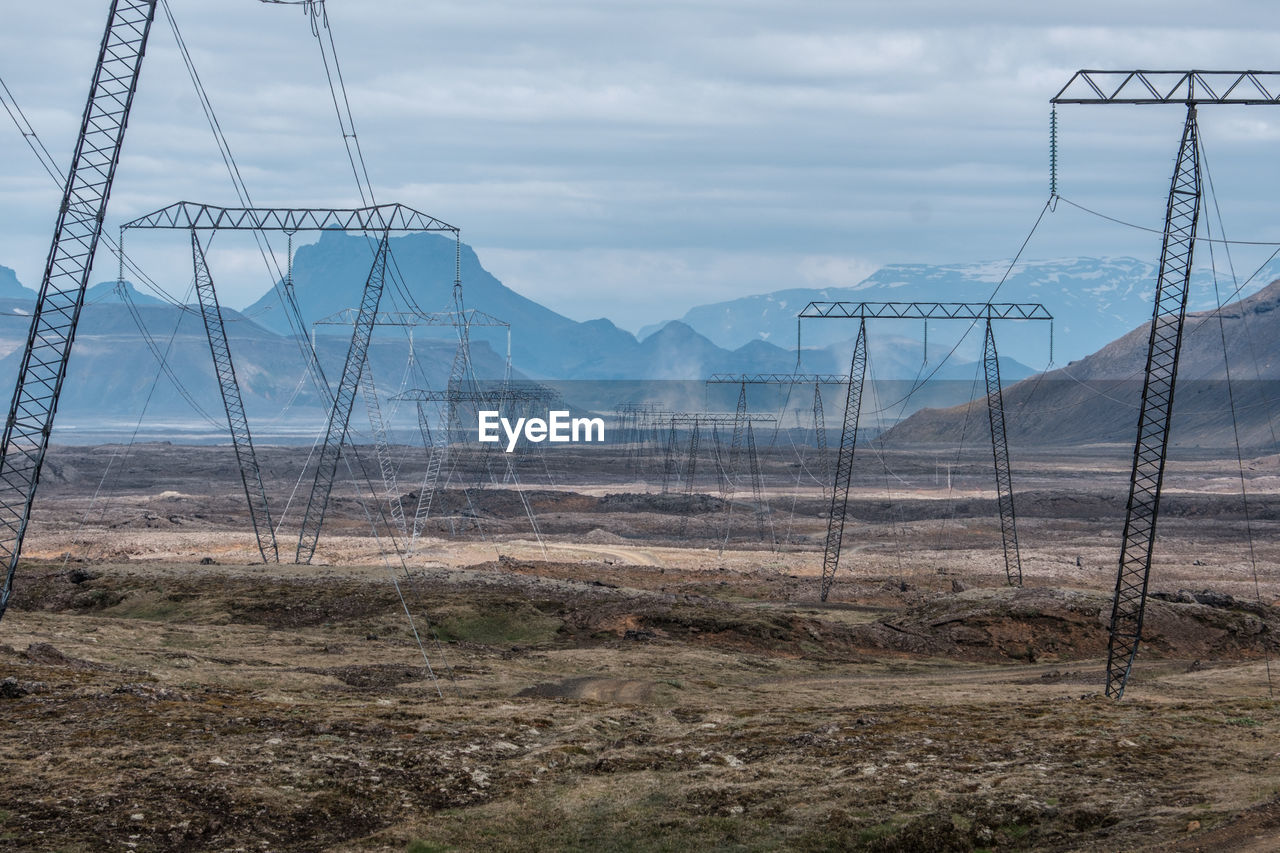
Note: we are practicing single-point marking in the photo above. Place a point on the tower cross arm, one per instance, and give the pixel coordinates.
(926, 311)
(382, 218)
(1090, 86)
(777, 379)
(719, 418)
(469, 317)
(530, 392)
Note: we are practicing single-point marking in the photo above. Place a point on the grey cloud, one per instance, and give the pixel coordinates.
(868, 132)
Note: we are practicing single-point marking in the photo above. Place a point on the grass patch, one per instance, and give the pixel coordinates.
(880, 831)
(634, 814)
(155, 606)
(507, 624)
(427, 847)
(183, 640)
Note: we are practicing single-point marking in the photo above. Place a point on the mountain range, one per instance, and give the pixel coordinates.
(114, 367)
(1093, 301)
(114, 371)
(545, 344)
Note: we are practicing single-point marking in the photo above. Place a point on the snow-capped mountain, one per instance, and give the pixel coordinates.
(1093, 301)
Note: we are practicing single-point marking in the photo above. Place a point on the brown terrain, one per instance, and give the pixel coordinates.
(632, 682)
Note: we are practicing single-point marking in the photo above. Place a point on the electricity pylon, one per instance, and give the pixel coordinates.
(1164, 343)
(66, 274)
(741, 429)
(971, 311)
(381, 220)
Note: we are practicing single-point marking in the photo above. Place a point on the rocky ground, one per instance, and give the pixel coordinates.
(619, 687)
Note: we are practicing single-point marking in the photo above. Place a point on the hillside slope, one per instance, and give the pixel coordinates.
(1096, 399)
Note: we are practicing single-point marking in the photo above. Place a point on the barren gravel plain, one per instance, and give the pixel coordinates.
(636, 670)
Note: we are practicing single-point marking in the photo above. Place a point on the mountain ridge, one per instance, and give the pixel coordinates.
(111, 366)
(1093, 301)
(11, 288)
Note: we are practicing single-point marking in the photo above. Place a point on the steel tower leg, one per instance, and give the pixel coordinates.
(1000, 452)
(636, 451)
(66, 273)
(669, 463)
(655, 438)
(437, 444)
(250, 474)
(635, 443)
(735, 456)
(722, 472)
(739, 434)
(820, 435)
(340, 417)
(844, 462)
(461, 374)
(690, 471)
(382, 449)
(757, 485)
(640, 451)
(1152, 444)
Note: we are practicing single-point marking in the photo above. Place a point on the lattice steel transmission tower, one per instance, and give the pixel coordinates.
(787, 380)
(694, 423)
(639, 424)
(436, 441)
(462, 387)
(971, 311)
(66, 275)
(380, 220)
(507, 397)
(1182, 211)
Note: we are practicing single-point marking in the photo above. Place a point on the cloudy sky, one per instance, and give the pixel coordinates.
(632, 159)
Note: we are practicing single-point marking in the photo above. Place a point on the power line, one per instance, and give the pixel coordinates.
(29, 133)
(1231, 401)
(1149, 230)
(246, 200)
(162, 357)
